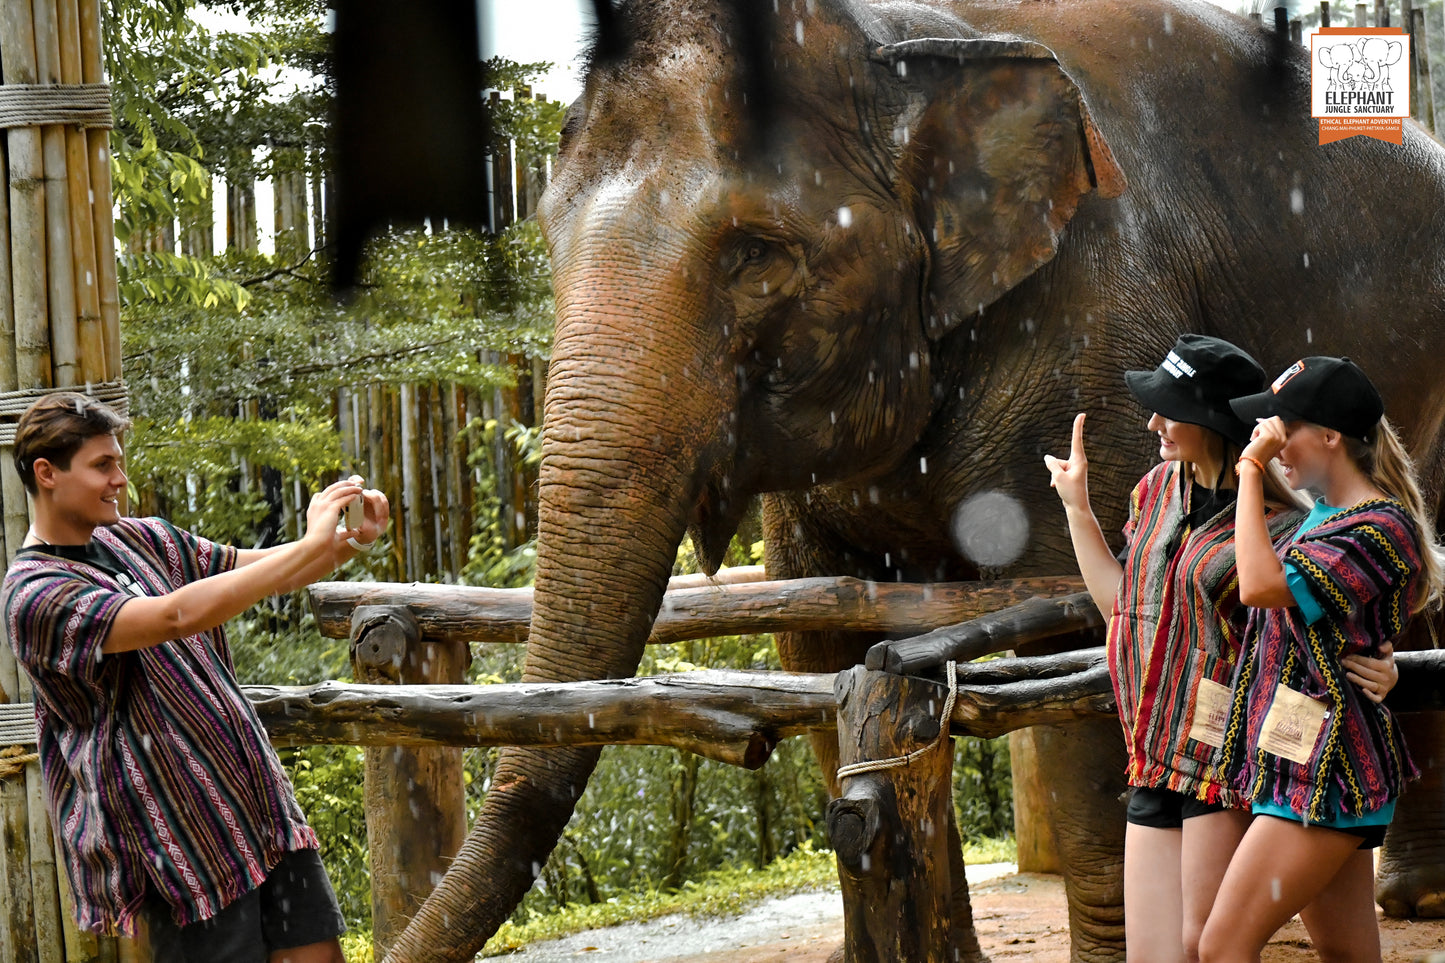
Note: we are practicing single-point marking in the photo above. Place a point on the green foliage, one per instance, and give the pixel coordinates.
(327, 780)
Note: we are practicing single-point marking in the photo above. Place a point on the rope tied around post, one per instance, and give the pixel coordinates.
(14, 760)
(43, 105)
(877, 765)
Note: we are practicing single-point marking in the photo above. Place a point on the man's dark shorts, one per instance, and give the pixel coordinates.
(295, 906)
(1165, 808)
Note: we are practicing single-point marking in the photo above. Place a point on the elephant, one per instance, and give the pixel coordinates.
(878, 299)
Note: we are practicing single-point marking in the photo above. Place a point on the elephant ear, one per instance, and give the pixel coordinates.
(997, 149)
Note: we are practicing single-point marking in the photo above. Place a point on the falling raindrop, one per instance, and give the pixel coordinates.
(845, 217)
(1297, 201)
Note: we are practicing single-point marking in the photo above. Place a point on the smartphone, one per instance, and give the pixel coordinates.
(356, 508)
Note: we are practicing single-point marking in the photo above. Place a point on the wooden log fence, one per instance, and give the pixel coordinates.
(470, 614)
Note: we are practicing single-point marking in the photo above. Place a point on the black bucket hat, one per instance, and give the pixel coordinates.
(1195, 382)
(1332, 392)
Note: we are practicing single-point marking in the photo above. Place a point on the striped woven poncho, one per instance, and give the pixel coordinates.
(1362, 565)
(1177, 621)
(160, 778)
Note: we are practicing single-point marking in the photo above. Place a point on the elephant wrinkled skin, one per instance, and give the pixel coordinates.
(961, 224)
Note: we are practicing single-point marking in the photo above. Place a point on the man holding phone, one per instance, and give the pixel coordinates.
(168, 802)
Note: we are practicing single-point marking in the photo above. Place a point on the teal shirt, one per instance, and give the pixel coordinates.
(1304, 596)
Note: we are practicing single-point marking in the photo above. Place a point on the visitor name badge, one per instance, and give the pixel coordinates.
(1292, 725)
(1211, 709)
(1360, 82)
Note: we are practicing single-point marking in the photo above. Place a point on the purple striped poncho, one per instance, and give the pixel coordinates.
(1363, 566)
(160, 776)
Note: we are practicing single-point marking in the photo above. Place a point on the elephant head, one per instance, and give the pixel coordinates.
(741, 311)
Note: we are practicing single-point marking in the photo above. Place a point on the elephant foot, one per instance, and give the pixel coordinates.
(1416, 894)
(1410, 882)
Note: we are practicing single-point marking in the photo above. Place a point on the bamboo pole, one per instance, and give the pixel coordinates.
(470, 614)
(103, 224)
(27, 206)
(7, 304)
(60, 256)
(1360, 16)
(89, 331)
(458, 520)
(411, 487)
(1420, 48)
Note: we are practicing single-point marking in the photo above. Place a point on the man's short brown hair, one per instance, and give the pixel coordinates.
(56, 426)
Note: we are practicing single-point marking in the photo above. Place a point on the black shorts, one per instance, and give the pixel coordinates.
(1165, 808)
(294, 906)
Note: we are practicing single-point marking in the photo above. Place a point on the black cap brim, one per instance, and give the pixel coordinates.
(1265, 404)
(1158, 391)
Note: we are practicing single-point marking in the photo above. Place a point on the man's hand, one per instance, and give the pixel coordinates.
(327, 505)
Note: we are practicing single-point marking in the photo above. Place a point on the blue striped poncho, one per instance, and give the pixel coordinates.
(160, 777)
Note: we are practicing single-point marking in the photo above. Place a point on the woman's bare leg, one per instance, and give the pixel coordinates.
(1153, 912)
(1279, 868)
(326, 952)
(1208, 844)
(1341, 920)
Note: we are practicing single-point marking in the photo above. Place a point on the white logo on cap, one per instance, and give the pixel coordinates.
(1284, 378)
(1177, 366)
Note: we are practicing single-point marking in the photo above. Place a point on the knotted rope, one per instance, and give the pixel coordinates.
(14, 760)
(876, 765)
(41, 105)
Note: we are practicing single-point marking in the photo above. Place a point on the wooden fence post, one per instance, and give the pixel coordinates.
(889, 827)
(416, 813)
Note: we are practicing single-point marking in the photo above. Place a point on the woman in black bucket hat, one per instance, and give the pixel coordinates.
(1174, 636)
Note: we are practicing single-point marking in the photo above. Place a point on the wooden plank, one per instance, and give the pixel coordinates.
(466, 613)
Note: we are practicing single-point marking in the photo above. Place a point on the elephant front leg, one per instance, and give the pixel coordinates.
(1083, 764)
(1411, 876)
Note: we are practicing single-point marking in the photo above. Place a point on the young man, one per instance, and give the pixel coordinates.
(168, 801)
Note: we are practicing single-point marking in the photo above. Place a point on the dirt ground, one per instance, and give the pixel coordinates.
(1024, 917)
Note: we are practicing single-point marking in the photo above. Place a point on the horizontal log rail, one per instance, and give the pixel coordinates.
(459, 613)
(731, 716)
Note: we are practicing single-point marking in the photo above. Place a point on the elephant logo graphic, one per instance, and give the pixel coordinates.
(1360, 65)
(1359, 82)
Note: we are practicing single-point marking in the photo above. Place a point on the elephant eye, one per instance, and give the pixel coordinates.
(752, 253)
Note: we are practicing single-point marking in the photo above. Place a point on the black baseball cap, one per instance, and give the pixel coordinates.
(1195, 382)
(1332, 392)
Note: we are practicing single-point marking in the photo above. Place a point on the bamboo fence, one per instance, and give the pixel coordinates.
(59, 327)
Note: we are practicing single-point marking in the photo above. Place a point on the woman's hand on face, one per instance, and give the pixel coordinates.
(1071, 478)
(1268, 437)
(1374, 677)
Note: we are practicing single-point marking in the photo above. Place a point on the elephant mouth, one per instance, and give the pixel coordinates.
(718, 510)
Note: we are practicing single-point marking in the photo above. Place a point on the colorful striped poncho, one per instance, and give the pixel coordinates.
(1177, 622)
(1362, 565)
(160, 778)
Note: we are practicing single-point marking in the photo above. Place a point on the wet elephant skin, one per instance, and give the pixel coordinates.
(961, 224)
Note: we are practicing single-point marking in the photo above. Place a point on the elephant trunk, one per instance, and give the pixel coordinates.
(621, 451)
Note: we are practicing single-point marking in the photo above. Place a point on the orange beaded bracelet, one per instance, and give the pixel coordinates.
(1252, 460)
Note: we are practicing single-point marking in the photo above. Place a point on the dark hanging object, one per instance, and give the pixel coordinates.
(755, 20)
(410, 132)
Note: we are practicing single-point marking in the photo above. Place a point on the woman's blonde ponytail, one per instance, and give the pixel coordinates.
(1389, 467)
